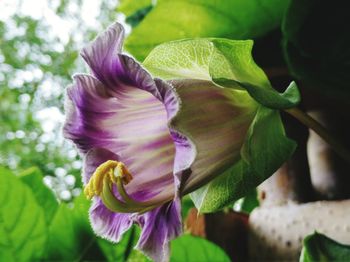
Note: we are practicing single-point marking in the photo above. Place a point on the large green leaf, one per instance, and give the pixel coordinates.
(122, 251)
(264, 151)
(70, 234)
(179, 19)
(192, 249)
(43, 195)
(129, 7)
(317, 45)
(318, 247)
(71, 237)
(23, 231)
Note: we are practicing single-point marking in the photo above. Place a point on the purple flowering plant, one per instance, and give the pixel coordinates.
(194, 118)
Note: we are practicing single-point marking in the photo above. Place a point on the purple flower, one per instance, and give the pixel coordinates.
(146, 142)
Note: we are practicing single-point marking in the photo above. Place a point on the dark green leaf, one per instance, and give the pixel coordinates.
(249, 202)
(242, 71)
(317, 45)
(138, 16)
(193, 249)
(268, 97)
(129, 7)
(178, 19)
(23, 230)
(266, 146)
(186, 205)
(71, 237)
(124, 249)
(44, 196)
(70, 234)
(318, 247)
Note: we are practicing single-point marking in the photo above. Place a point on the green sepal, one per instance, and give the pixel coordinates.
(265, 149)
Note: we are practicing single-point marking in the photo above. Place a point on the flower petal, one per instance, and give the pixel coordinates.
(216, 120)
(159, 226)
(88, 107)
(108, 224)
(101, 54)
(129, 122)
(185, 149)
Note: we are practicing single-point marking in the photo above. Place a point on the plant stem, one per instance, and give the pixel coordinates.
(307, 120)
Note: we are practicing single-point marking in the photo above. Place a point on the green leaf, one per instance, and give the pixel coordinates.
(70, 234)
(186, 205)
(248, 203)
(138, 16)
(137, 256)
(179, 19)
(181, 59)
(192, 249)
(318, 247)
(266, 148)
(129, 7)
(237, 68)
(233, 60)
(124, 249)
(43, 195)
(23, 231)
(71, 237)
(228, 63)
(317, 45)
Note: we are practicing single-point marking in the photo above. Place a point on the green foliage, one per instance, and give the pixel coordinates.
(318, 247)
(192, 249)
(178, 19)
(239, 67)
(186, 205)
(135, 10)
(124, 250)
(23, 228)
(129, 7)
(181, 59)
(24, 143)
(247, 203)
(138, 16)
(228, 63)
(266, 146)
(77, 241)
(317, 45)
(43, 195)
(68, 228)
(32, 230)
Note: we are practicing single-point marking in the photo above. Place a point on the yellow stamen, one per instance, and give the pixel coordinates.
(110, 170)
(101, 184)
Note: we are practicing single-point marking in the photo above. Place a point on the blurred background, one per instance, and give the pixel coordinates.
(40, 42)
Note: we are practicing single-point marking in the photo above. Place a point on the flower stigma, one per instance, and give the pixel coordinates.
(101, 184)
